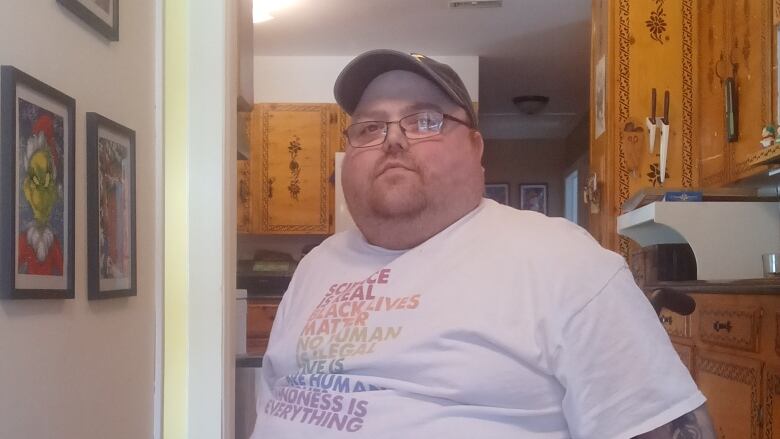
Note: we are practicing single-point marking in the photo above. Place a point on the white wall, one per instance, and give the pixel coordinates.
(310, 79)
(77, 368)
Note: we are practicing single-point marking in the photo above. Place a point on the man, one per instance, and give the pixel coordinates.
(449, 316)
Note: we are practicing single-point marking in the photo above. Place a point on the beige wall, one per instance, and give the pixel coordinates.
(79, 369)
(311, 78)
(527, 161)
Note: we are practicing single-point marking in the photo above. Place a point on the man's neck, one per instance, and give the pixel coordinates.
(406, 233)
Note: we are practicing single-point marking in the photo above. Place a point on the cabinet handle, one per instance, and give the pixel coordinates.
(666, 320)
(717, 326)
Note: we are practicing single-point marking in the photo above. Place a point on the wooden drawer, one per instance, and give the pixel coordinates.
(675, 324)
(260, 319)
(737, 328)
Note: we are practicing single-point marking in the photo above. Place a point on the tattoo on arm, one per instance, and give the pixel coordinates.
(693, 425)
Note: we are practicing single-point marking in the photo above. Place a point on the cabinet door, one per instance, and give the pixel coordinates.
(686, 355)
(244, 202)
(260, 318)
(771, 410)
(339, 120)
(732, 386)
(751, 53)
(713, 65)
(293, 145)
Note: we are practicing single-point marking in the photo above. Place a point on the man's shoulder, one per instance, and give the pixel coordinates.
(533, 228)
(538, 240)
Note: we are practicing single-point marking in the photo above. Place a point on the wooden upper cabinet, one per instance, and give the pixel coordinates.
(738, 39)
(688, 48)
(649, 45)
(287, 185)
(244, 217)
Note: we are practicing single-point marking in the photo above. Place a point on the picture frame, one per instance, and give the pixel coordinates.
(37, 188)
(101, 15)
(498, 192)
(533, 196)
(111, 209)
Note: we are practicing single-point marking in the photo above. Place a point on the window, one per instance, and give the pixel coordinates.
(571, 196)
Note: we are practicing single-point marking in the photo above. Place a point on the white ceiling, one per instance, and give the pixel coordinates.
(525, 47)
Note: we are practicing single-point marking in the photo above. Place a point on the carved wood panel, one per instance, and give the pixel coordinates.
(244, 202)
(751, 53)
(732, 386)
(777, 333)
(713, 67)
(734, 328)
(686, 355)
(771, 410)
(654, 47)
(293, 142)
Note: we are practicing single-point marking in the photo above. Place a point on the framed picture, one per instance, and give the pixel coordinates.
(101, 15)
(111, 243)
(37, 191)
(533, 196)
(498, 192)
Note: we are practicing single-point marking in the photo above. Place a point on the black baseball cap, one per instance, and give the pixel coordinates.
(356, 76)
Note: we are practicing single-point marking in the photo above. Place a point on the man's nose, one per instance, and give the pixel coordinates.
(395, 138)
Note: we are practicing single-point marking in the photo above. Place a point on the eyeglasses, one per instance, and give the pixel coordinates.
(414, 126)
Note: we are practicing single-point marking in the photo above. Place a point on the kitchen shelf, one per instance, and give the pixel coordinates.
(727, 238)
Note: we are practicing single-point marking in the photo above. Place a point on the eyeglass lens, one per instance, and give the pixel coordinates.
(414, 126)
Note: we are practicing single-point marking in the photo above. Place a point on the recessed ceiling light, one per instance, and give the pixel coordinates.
(262, 9)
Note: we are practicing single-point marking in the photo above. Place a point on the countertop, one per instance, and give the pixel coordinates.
(742, 286)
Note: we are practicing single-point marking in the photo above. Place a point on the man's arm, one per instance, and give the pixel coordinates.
(694, 425)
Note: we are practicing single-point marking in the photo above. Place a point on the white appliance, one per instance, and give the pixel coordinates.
(343, 220)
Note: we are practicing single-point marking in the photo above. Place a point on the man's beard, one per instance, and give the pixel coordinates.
(40, 239)
(407, 209)
(404, 200)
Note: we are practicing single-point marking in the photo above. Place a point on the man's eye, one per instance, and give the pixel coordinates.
(371, 128)
(426, 123)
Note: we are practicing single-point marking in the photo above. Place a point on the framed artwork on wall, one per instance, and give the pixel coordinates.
(101, 15)
(498, 192)
(37, 191)
(111, 238)
(533, 196)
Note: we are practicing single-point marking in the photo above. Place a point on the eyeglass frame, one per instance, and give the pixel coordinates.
(445, 116)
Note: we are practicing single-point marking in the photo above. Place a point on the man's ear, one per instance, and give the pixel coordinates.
(478, 142)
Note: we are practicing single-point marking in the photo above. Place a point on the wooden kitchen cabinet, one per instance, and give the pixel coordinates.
(738, 36)
(731, 345)
(286, 186)
(261, 313)
(732, 385)
(688, 48)
(771, 410)
(638, 47)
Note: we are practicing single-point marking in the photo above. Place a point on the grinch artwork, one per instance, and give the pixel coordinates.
(114, 213)
(40, 191)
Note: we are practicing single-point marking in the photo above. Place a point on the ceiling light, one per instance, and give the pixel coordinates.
(530, 104)
(262, 9)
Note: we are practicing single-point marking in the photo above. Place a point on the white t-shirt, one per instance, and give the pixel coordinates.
(507, 324)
